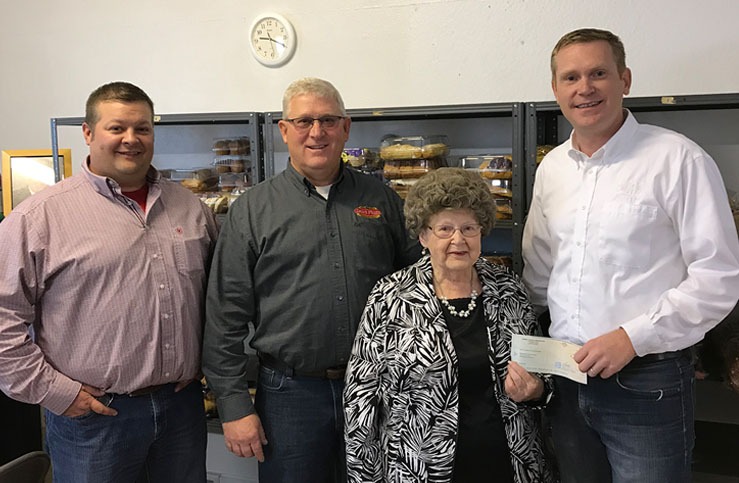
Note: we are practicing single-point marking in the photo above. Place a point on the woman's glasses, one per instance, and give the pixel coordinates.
(447, 231)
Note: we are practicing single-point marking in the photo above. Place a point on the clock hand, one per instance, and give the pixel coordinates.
(272, 43)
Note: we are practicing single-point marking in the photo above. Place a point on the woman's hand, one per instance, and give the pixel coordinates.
(520, 385)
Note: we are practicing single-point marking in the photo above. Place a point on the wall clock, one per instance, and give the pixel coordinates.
(273, 39)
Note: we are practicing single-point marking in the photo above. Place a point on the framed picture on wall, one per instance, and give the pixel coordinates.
(25, 172)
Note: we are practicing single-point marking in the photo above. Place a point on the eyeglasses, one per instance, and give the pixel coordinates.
(447, 231)
(305, 123)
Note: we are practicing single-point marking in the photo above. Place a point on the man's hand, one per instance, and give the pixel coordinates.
(86, 402)
(245, 437)
(604, 356)
(521, 385)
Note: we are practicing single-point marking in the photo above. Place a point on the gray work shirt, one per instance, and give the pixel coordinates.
(300, 268)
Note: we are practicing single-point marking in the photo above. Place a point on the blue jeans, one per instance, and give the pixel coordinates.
(636, 426)
(303, 420)
(157, 437)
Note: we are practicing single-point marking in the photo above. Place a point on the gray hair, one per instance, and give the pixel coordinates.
(314, 86)
(448, 189)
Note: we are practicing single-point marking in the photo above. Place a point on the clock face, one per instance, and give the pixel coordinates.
(272, 40)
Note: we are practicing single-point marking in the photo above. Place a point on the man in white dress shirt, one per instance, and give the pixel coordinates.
(630, 244)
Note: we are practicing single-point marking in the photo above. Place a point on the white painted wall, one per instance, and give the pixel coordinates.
(192, 55)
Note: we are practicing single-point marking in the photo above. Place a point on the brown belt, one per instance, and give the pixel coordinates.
(333, 373)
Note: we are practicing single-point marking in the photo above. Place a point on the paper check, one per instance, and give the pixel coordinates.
(547, 356)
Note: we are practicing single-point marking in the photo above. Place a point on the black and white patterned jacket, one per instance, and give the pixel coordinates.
(400, 398)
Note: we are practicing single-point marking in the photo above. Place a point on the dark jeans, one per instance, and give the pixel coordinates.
(303, 419)
(636, 426)
(160, 437)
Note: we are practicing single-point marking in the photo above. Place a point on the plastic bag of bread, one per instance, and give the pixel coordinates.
(490, 166)
(414, 147)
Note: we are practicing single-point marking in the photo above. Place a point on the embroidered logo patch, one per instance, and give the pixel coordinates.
(367, 212)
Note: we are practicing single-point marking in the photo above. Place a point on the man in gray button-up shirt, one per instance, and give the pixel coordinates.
(297, 258)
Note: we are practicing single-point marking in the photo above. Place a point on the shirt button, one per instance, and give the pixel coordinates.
(155, 256)
(165, 316)
(166, 374)
(578, 244)
(333, 234)
(161, 286)
(337, 265)
(340, 298)
(166, 346)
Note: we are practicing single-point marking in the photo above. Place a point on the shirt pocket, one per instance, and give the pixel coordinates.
(374, 246)
(625, 234)
(191, 251)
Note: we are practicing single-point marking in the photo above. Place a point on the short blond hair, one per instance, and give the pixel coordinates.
(591, 35)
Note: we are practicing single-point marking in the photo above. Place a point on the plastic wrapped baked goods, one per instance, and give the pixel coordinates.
(218, 202)
(401, 186)
(542, 151)
(237, 146)
(195, 179)
(489, 166)
(504, 210)
(410, 168)
(500, 187)
(230, 181)
(414, 147)
(360, 158)
(231, 163)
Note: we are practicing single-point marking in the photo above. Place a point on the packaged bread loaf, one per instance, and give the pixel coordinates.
(414, 147)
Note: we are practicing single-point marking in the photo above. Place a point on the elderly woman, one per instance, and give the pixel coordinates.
(431, 394)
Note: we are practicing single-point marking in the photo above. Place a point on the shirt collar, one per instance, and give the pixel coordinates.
(622, 138)
(304, 184)
(109, 187)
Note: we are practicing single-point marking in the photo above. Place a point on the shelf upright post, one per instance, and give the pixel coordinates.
(55, 151)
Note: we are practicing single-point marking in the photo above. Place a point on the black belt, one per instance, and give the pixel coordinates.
(145, 391)
(688, 353)
(333, 373)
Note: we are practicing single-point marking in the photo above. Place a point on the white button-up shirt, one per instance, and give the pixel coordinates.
(639, 236)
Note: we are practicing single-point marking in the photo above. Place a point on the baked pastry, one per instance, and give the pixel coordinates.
(435, 150)
(220, 147)
(498, 167)
(500, 191)
(401, 151)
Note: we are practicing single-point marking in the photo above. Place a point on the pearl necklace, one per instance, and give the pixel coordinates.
(453, 310)
(462, 313)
